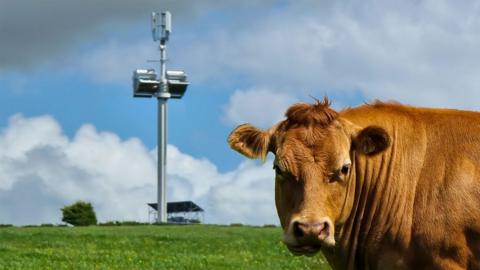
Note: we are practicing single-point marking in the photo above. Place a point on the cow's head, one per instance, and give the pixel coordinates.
(314, 168)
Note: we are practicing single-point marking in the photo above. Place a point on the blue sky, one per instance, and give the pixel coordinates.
(74, 98)
(67, 111)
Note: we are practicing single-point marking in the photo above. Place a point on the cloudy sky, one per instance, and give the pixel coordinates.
(70, 129)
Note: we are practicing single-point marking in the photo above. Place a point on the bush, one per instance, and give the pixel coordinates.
(194, 221)
(123, 223)
(109, 223)
(132, 223)
(79, 214)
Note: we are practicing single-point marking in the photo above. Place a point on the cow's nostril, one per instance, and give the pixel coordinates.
(324, 231)
(297, 229)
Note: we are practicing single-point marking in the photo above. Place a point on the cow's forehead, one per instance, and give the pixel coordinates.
(300, 145)
(311, 136)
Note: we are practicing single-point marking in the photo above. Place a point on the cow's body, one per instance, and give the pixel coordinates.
(412, 203)
(417, 204)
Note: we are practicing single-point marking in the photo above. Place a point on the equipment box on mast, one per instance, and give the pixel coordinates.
(145, 83)
(177, 83)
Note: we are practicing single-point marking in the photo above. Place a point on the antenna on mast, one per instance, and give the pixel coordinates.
(170, 84)
(161, 27)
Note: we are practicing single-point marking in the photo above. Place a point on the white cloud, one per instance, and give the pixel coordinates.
(41, 170)
(413, 51)
(57, 34)
(114, 62)
(416, 52)
(244, 195)
(260, 107)
(249, 194)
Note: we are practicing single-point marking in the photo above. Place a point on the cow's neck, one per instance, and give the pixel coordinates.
(379, 214)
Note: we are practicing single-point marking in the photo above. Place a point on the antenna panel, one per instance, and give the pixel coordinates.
(155, 27)
(167, 21)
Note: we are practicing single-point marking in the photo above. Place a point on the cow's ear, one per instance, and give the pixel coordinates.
(371, 140)
(250, 141)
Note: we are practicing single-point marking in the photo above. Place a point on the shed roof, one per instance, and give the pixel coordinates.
(179, 207)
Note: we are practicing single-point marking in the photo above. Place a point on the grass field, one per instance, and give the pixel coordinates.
(149, 247)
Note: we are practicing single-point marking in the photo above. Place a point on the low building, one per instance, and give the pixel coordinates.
(185, 212)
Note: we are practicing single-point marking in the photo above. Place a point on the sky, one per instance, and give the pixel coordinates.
(71, 130)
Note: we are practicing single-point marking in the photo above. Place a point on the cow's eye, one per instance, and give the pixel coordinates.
(277, 169)
(339, 174)
(345, 169)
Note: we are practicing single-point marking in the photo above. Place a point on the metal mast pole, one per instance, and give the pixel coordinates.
(162, 97)
(170, 84)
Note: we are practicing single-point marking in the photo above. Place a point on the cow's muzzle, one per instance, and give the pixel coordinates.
(306, 237)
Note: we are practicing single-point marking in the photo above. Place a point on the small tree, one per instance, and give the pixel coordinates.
(79, 214)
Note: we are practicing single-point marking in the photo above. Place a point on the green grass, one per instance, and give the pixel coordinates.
(149, 247)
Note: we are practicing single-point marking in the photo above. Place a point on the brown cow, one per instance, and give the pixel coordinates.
(380, 186)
